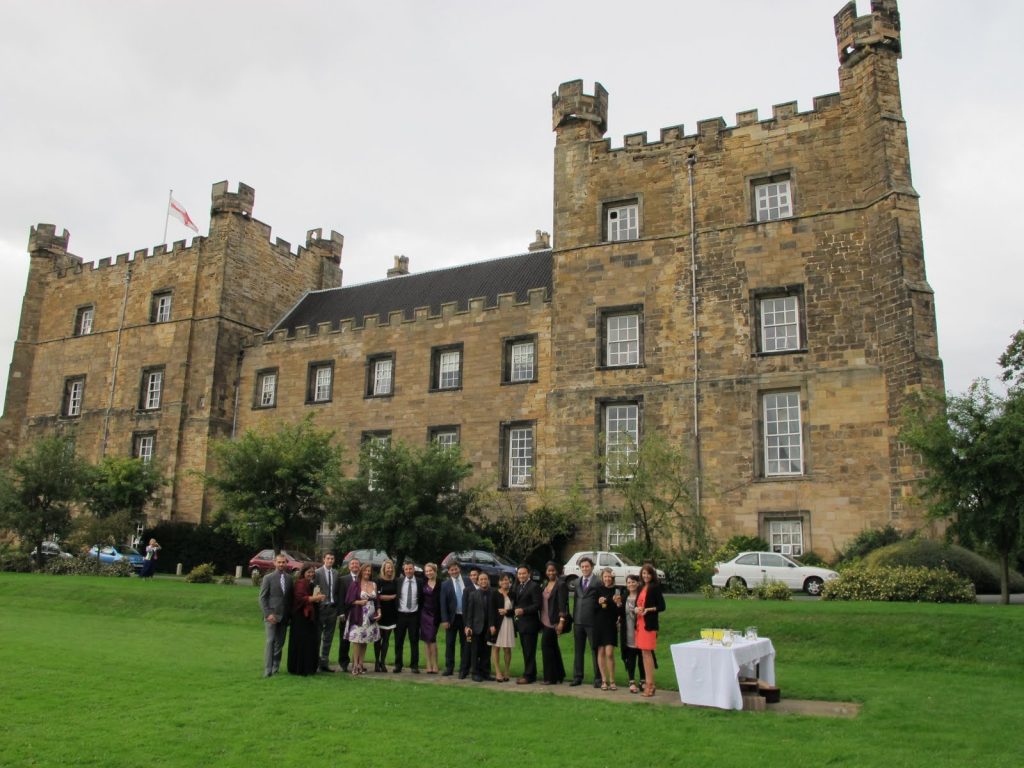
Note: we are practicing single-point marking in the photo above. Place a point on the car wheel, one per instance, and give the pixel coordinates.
(735, 582)
(813, 586)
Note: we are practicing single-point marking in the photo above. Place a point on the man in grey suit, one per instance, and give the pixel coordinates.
(330, 588)
(584, 613)
(276, 604)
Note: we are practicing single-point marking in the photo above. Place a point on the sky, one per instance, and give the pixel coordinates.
(423, 128)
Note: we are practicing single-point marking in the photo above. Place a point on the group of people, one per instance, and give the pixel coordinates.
(480, 620)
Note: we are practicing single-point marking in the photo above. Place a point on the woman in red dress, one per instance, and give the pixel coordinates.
(649, 603)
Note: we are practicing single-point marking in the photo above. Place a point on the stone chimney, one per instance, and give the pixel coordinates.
(401, 267)
(542, 243)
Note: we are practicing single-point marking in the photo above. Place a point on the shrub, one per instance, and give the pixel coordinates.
(709, 592)
(868, 541)
(736, 592)
(87, 566)
(812, 558)
(737, 544)
(227, 578)
(192, 545)
(204, 573)
(15, 561)
(772, 590)
(900, 584)
(982, 573)
(257, 577)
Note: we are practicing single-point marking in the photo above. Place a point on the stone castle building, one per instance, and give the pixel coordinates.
(753, 292)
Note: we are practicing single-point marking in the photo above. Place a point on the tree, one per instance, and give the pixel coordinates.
(277, 486)
(657, 491)
(521, 530)
(38, 490)
(973, 448)
(410, 502)
(116, 492)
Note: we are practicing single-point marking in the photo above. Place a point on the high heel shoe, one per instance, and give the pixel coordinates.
(648, 690)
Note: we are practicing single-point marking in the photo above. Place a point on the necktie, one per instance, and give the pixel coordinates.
(408, 595)
(458, 595)
(586, 583)
(282, 583)
(330, 585)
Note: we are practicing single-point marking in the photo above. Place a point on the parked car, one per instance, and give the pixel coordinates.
(491, 563)
(111, 554)
(51, 549)
(621, 566)
(375, 557)
(263, 561)
(749, 569)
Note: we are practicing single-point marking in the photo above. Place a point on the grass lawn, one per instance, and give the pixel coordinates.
(118, 672)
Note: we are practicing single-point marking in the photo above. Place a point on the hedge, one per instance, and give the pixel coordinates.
(982, 573)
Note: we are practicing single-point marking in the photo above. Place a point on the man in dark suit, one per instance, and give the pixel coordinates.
(343, 585)
(479, 615)
(410, 598)
(527, 600)
(330, 587)
(584, 614)
(454, 591)
(276, 604)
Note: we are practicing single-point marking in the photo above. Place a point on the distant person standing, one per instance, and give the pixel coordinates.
(649, 604)
(584, 615)
(480, 613)
(527, 600)
(304, 632)
(276, 604)
(347, 580)
(430, 616)
(410, 598)
(453, 600)
(149, 564)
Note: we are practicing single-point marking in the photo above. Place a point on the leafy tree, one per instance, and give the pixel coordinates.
(537, 531)
(116, 492)
(410, 502)
(658, 494)
(38, 489)
(973, 448)
(277, 486)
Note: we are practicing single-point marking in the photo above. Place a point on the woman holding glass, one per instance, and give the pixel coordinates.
(363, 613)
(554, 615)
(387, 595)
(649, 603)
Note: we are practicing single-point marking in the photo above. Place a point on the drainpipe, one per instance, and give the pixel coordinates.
(691, 161)
(117, 355)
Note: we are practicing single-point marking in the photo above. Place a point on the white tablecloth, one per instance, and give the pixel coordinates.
(708, 675)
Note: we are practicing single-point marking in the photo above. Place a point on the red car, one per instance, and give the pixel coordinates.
(263, 561)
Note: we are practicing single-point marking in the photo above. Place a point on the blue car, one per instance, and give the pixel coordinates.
(113, 554)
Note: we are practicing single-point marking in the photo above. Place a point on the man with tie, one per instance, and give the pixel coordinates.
(343, 585)
(527, 600)
(329, 585)
(453, 599)
(584, 614)
(276, 604)
(410, 597)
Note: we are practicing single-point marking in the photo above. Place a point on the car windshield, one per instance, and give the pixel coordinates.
(129, 551)
(625, 560)
(502, 560)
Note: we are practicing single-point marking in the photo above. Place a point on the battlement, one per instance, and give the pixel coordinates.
(570, 104)
(857, 35)
(240, 202)
(711, 131)
(476, 308)
(43, 238)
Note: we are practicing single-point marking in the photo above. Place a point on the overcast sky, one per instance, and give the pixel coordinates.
(424, 128)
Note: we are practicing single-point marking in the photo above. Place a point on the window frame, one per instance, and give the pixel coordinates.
(371, 375)
(617, 206)
(605, 314)
(137, 441)
(259, 389)
(767, 434)
(507, 455)
(156, 315)
(758, 297)
(509, 345)
(802, 518)
(436, 431)
(436, 354)
(312, 370)
(68, 399)
(367, 439)
(619, 534)
(82, 314)
(146, 391)
(604, 434)
(763, 182)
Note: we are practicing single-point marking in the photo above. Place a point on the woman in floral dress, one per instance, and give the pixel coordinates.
(363, 613)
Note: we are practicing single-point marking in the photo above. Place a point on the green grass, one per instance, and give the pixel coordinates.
(119, 672)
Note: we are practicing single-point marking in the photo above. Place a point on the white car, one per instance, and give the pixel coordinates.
(750, 569)
(621, 565)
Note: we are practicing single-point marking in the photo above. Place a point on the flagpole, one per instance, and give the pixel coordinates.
(167, 214)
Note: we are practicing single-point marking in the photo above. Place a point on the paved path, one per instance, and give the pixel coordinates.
(622, 696)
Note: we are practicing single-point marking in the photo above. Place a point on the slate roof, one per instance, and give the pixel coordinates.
(482, 280)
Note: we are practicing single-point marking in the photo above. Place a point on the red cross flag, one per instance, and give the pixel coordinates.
(176, 210)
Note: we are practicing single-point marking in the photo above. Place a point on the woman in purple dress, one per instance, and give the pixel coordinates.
(429, 613)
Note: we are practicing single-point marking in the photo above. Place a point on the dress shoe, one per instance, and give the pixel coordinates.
(523, 681)
(446, 673)
(597, 683)
(463, 675)
(477, 679)
(415, 670)
(574, 683)
(325, 668)
(397, 669)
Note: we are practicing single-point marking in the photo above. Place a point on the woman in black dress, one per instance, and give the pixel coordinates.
(606, 628)
(304, 634)
(554, 618)
(387, 594)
